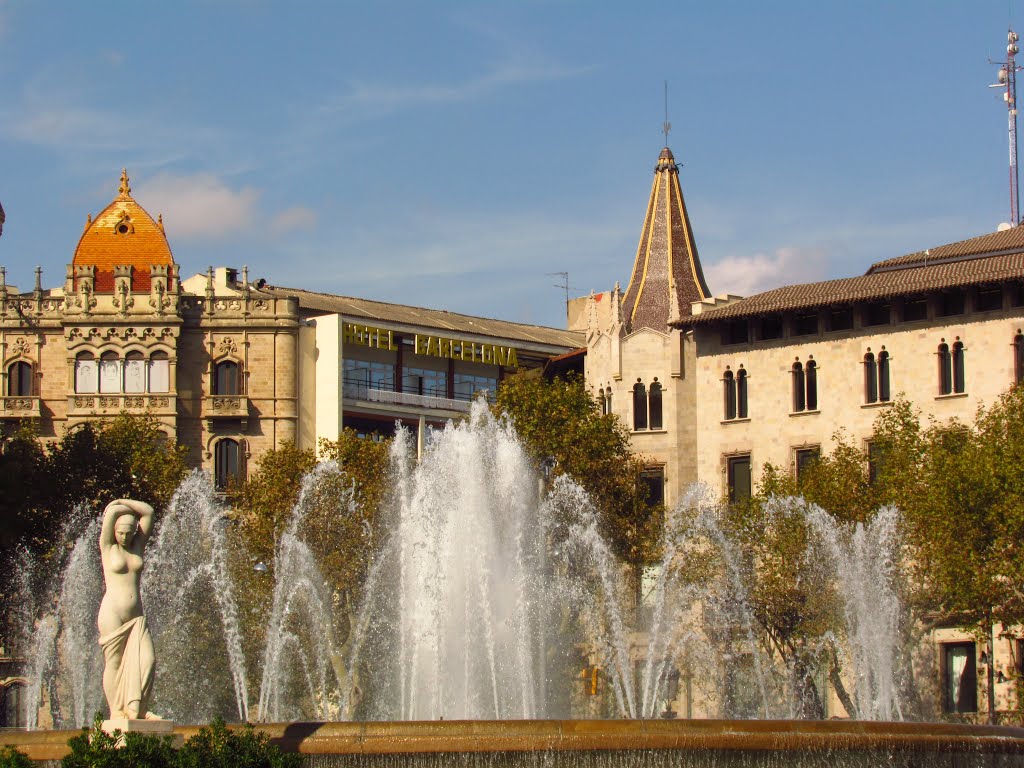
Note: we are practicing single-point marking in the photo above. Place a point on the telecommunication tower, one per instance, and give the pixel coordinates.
(1008, 81)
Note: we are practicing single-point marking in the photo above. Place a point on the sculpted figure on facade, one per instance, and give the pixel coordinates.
(128, 657)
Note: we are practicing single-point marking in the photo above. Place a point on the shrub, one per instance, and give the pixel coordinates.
(217, 747)
(213, 747)
(12, 758)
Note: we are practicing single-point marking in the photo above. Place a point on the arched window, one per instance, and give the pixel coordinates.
(958, 367)
(812, 385)
(883, 376)
(86, 373)
(134, 372)
(654, 404)
(799, 403)
(12, 706)
(227, 462)
(110, 372)
(159, 372)
(639, 405)
(870, 379)
(1018, 357)
(608, 400)
(729, 388)
(19, 379)
(225, 378)
(945, 370)
(741, 393)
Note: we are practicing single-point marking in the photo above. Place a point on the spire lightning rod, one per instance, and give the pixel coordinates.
(666, 126)
(1008, 81)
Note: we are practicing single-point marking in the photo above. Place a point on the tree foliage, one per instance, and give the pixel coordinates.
(124, 457)
(559, 418)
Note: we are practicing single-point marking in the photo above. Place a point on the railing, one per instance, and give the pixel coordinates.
(427, 397)
(19, 407)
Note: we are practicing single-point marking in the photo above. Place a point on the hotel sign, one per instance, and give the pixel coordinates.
(433, 346)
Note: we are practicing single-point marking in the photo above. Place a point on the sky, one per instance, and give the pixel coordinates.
(454, 155)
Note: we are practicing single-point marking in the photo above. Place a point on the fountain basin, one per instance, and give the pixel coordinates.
(618, 743)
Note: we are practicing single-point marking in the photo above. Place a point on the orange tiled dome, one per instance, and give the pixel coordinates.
(123, 234)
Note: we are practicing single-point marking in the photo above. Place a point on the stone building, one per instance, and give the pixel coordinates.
(714, 387)
(211, 359)
(230, 367)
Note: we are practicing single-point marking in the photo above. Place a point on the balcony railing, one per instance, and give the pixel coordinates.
(112, 403)
(19, 407)
(422, 397)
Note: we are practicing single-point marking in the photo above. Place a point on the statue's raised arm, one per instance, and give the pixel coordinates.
(129, 663)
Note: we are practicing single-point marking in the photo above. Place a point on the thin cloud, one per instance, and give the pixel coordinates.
(383, 96)
(747, 275)
(200, 206)
(298, 217)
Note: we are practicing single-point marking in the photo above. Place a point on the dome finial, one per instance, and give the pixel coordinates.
(125, 190)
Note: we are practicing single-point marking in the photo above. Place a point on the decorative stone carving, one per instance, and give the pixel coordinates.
(20, 347)
(227, 346)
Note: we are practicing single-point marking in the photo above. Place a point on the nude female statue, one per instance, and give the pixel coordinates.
(128, 658)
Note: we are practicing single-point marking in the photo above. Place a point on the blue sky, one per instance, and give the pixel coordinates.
(451, 154)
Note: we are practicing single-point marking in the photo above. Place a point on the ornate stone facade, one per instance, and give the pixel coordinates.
(212, 358)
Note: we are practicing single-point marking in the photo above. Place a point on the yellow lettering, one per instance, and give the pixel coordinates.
(432, 346)
(444, 347)
(487, 353)
(391, 341)
(513, 360)
(502, 355)
(419, 346)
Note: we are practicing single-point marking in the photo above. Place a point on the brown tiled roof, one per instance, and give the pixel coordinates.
(1009, 239)
(983, 260)
(431, 319)
(666, 270)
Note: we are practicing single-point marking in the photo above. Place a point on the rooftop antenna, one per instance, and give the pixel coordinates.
(1008, 81)
(564, 285)
(666, 126)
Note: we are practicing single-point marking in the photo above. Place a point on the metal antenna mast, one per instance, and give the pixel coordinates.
(1008, 81)
(666, 126)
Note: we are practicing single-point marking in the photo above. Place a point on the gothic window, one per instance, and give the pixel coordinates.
(159, 372)
(958, 367)
(225, 378)
(729, 386)
(134, 372)
(741, 393)
(608, 400)
(110, 373)
(883, 376)
(654, 404)
(1018, 357)
(86, 373)
(812, 385)
(945, 370)
(870, 379)
(799, 390)
(639, 405)
(227, 462)
(19, 379)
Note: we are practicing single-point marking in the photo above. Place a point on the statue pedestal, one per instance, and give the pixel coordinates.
(149, 727)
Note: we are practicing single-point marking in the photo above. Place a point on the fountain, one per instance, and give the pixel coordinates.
(480, 609)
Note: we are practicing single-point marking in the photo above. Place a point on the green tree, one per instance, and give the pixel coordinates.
(559, 418)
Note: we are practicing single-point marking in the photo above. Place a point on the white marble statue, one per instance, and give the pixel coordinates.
(128, 658)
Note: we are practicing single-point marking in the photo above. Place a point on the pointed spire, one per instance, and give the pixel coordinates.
(667, 276)
(125, 191)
